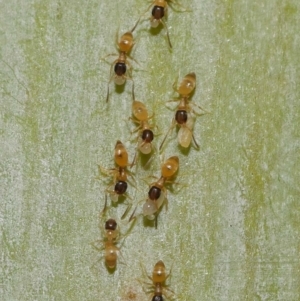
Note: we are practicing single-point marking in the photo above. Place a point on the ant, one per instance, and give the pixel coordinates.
(145, 134)
(110, 240)
(184, 113)
(111, 237)
(159, 10)
(158, 280)
(157, 193)
(121, 72)
(119, 173)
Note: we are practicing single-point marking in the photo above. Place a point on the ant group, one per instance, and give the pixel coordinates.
(184, 113)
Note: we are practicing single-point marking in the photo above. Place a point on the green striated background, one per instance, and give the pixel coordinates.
(232, 229)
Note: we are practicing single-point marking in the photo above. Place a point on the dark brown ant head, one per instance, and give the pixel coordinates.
(110, 224)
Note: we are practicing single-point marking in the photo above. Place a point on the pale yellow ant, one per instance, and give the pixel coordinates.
(184, 113)
(111, 237)
(159, 10)
(122, 67)
(120, 172)
(111, 250)
(157, 193)
(158, 285)
(145, 134)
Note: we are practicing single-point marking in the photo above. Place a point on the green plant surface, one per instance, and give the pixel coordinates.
(232, 228)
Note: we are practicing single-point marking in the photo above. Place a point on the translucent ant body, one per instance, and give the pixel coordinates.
(159, 10)
(145, 134)
(122, 67)
(157, 192)
(184, 113)
(158, 279)
(120, 173)
(111, 237)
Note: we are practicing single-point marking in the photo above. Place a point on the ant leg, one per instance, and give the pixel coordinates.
(133, 96)
(200, 107)
(135, 25)
(175, 2)
(105, 206)
(145, 275)
(111, 54)
(132, 216)
(168, 36)
(175, 84)
(196, 144)
(126, 211)
(170, 128)
(111, 77)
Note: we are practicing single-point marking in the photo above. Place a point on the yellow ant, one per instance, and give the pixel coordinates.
(122, 66)
(111, 237)
(111, 250)
(145, 134)
(158, 285)
(184, 116)
(119, 173)
(157, 194)
(159, 10)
